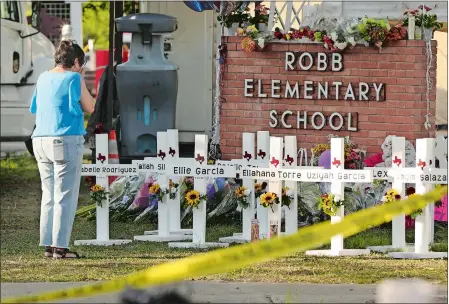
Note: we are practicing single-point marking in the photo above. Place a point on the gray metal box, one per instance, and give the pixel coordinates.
(147, 84)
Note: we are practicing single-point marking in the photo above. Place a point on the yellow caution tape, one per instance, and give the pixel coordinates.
(232, 258)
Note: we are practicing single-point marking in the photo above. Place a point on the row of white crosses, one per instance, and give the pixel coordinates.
(283, 167)
(422, 228)
(169, 209)
(262, 160)
(424, 223)
(170, 166)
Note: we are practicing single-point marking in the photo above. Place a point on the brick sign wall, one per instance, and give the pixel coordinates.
(386, 94)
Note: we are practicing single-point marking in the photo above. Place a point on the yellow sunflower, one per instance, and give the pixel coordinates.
(240, 191)
(97, 188)
(258, 187)
(154, 189)
(267, 199)
(193, 198)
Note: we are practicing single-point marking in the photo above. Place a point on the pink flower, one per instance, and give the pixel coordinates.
(425, 7)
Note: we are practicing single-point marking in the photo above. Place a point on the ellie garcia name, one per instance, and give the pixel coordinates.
(200, 171)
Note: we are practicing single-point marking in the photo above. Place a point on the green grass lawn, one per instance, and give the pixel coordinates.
(22, 260)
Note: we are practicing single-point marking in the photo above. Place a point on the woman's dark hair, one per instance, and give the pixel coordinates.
(67, 52)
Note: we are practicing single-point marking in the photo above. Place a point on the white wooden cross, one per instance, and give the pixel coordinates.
(263, 154)
(201, 172)
(261, 161)
(337, 188)
(290, 162)
(398, 222)
(424, 176)
(248, 160)
(170, 154)
(337, 175)
(101, 170)
(160, 165)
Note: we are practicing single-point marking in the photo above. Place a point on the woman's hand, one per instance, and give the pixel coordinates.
(82, 71)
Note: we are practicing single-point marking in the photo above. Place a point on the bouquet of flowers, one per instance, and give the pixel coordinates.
(193, 198)
(260, 188)
(248, 44)
(374, 32)
(269, 199)
(391, 196)
(155, 191)
(186, 186)
(352, 159)
(242, 194)
(253, 38)
(414, 12)
(397, 32)
(235, 17)
(303, 32)
(317, 36)
(172, 189)
(97, 194)
(337, 41)
(329, 203)
(261, 16)
(318, 149)
(287, 196)
(429, 20)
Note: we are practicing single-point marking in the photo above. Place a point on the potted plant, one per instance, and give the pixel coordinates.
(233, 21)
(429, 22)
(261, 18)
(412, 24)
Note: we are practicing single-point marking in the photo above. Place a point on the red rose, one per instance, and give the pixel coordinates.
(397, 197)
(278, 35)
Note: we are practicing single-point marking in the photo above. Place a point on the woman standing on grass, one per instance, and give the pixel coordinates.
(59, 100)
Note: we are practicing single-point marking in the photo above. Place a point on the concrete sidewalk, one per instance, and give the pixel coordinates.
(221, 292)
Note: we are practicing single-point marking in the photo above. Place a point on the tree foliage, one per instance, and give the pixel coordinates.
(96, 22)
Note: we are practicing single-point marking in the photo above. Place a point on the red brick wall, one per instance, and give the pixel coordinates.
(400, 66)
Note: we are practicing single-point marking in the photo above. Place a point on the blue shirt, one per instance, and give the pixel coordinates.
(56, 104)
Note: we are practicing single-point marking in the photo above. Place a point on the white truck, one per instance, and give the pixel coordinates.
(25, 54)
